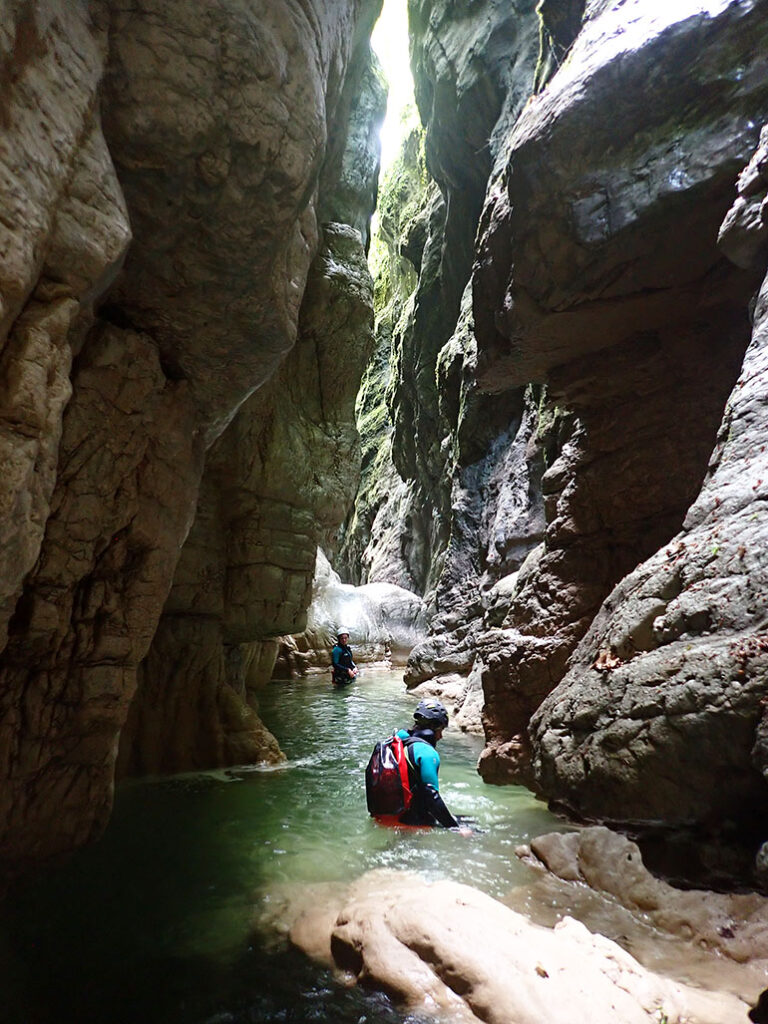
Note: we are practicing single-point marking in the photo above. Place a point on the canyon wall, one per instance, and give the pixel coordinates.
(599, 274)
(181, 206)
(187, 311)
(663, 711)
(555, 398)
(437, 468)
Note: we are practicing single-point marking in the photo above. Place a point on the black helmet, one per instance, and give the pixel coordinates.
(432, 712)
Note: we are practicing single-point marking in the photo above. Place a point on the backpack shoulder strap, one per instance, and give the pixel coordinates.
(408, 744)
(399, 749)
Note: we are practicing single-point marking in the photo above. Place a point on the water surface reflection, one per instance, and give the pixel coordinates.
(155, 922)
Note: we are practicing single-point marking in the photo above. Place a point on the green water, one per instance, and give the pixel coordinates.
(155, 923)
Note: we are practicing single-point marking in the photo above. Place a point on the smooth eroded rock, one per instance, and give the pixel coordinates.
(448, 950)
(639, 339)
(735, 925)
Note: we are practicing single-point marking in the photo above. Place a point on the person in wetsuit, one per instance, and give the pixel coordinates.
(427, 806)
(344, 668)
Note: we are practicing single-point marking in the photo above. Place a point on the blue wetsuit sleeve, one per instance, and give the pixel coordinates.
(335, 656)
(428, 760)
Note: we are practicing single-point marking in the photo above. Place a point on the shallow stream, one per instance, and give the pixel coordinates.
(163, 920)
(155, 922)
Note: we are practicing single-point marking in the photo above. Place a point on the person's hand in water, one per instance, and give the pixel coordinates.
(467, 826)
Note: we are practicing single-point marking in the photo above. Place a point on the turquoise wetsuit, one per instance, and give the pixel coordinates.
(341, 656)
(424, 757)
(428, 807)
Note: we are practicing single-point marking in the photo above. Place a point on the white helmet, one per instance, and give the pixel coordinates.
(342, 631)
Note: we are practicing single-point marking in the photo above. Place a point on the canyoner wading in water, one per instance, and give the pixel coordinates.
(343, 667)
(401, 779)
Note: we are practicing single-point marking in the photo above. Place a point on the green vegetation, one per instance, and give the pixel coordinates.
(401, 199)
(398, 237)
(553, 423)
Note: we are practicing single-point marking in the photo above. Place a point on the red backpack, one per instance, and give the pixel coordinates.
(387, 787)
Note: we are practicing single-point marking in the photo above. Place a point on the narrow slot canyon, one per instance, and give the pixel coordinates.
(442, 325)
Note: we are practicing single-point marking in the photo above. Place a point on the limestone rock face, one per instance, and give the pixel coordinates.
(374, 541)
(222, 141)
(555, 397)
(64, 233)
(662, 712)
(447, 949)
(734, 925)
(85, 569)
(467, 63)
(497, 519)
(577, 285)
(463, 507)
(276, 483)
(215, 130)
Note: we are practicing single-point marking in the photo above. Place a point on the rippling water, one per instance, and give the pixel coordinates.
(155, 923)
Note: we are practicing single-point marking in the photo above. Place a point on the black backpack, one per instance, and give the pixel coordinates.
(387, 786)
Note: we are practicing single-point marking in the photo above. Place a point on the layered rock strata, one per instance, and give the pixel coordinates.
(662, 714)
(576, 285)
(220, 125)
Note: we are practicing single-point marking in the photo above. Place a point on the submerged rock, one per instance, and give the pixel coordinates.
(448, 950)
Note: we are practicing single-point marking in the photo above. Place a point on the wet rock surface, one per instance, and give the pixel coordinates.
(384, 623)
(599, 315)
(447, 950)
(459, 506)
(734, 925)
(612, 318)
(377, 538)
(668, 687)
(275, 484)
(201, 149)
(186, 312)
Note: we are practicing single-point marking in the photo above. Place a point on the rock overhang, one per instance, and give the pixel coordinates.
(617, 177)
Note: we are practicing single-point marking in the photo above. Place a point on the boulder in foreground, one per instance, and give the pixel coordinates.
(449, 950)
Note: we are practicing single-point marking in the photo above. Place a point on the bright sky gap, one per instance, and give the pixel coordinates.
(390, 42)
